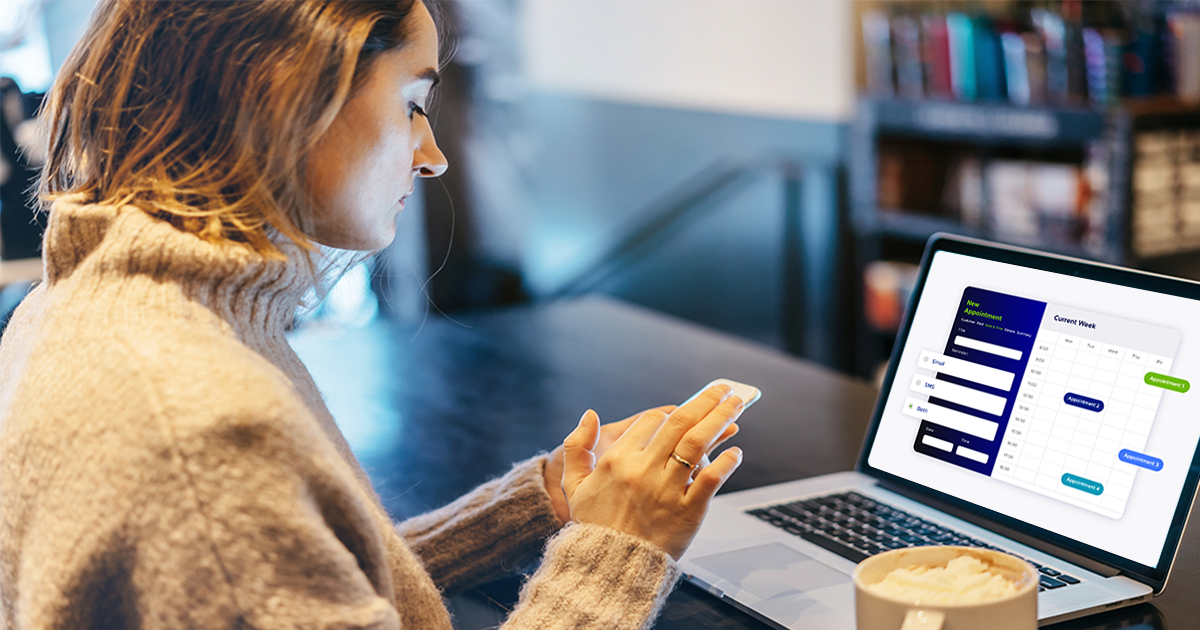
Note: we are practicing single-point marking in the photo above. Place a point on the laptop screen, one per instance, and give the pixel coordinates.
(1060, 401)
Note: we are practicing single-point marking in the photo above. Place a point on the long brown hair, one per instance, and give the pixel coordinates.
(203, 113)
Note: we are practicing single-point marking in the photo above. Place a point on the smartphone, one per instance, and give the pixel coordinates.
(748, 393)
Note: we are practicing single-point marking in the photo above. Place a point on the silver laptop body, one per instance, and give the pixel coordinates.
(972, 457)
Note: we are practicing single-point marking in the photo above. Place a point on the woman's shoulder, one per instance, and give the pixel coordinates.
(132, 382)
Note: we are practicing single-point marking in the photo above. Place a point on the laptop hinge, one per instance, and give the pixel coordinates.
(1008, 532)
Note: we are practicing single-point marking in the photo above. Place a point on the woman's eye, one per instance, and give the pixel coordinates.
(413, 108)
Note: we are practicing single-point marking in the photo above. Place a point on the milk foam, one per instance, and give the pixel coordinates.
(964, 580)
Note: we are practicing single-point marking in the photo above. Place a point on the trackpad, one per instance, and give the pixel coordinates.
(772, 571)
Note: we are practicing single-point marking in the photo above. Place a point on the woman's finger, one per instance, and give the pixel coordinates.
(730, 431)
(704, 463)
(667, 409)
(712, 477)
(699, 440)
(640, 432)
(613, 430)
(578, 458)
(685, 417)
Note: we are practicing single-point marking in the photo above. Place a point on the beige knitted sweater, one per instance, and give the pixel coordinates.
(167, 462)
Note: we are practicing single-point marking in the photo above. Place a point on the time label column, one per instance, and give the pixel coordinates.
(1021, 420)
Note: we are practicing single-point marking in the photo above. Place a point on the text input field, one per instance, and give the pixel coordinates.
(950, 418)
(974, 372)
(988, 403)
(975, 344)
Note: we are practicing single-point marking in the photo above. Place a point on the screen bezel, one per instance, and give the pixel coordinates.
(1155, 577)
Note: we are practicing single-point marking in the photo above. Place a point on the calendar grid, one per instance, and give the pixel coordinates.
(1070, 450)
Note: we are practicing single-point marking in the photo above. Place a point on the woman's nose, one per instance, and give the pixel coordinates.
(433, 168)
(428, 161)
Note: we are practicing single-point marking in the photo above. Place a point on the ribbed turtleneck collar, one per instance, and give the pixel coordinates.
(254, 294)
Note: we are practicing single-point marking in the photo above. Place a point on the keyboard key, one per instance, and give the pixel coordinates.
(836, 546)
(793, 511)
(1063, 577)
(1049, 571)
(1050, 582)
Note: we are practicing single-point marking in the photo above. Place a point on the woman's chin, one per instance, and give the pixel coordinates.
(358, 242)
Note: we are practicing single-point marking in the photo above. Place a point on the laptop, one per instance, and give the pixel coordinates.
(1033, 403)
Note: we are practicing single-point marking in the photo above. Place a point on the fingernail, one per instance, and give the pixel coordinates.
(582, 418)
(738, 452)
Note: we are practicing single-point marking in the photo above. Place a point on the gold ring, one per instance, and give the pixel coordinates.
(686, 463)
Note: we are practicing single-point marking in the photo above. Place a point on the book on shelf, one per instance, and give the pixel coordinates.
(1102, 54)
(960, 30)
(1016, 68)
(935, 56)
(1185, 32)
(1140, 61)
(877, 46)
(906, 51)
(989, 62)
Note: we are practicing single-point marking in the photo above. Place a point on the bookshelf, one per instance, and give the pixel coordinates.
(1061, 125)
(1118, 184)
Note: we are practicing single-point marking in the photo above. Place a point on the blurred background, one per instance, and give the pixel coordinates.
(770, 168)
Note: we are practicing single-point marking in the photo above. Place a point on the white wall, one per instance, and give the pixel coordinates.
(784, 58)
(66, 20)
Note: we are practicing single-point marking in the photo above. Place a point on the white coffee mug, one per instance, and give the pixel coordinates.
(1013, 612)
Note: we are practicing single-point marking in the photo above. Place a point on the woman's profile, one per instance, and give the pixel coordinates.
(165, 458)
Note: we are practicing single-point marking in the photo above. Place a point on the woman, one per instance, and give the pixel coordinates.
(166, 459)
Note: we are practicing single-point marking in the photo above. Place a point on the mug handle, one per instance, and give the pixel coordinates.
(923, 620)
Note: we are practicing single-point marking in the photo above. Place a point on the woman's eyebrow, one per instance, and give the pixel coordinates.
(431, 75)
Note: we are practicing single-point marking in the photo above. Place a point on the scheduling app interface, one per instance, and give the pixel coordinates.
(1016, 383)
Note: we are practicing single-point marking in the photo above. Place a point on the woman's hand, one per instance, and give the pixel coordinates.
(553, 472)
(639, 485)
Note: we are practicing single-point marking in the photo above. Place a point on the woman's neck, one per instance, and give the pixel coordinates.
(254, 294)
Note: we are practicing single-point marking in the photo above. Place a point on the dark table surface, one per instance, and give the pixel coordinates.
(434, 410)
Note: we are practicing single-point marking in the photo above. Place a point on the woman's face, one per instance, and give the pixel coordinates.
(362, 170)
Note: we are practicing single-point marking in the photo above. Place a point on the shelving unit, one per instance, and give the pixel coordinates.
(1121, 154)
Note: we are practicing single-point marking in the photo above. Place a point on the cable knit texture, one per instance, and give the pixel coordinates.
(167, 462)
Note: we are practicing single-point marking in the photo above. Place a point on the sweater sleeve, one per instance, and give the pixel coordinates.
(595, 578)
(485, 532)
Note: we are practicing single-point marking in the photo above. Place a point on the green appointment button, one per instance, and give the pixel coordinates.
(1079, 483)
(1167, 382)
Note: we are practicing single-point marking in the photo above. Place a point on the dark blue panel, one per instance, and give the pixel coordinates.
(995, 318)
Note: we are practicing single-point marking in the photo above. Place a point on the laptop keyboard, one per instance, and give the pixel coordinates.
(856, 527)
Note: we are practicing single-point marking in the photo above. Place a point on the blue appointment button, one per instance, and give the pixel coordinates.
(1140, 459)
(1079, 483)
(1083, 402)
